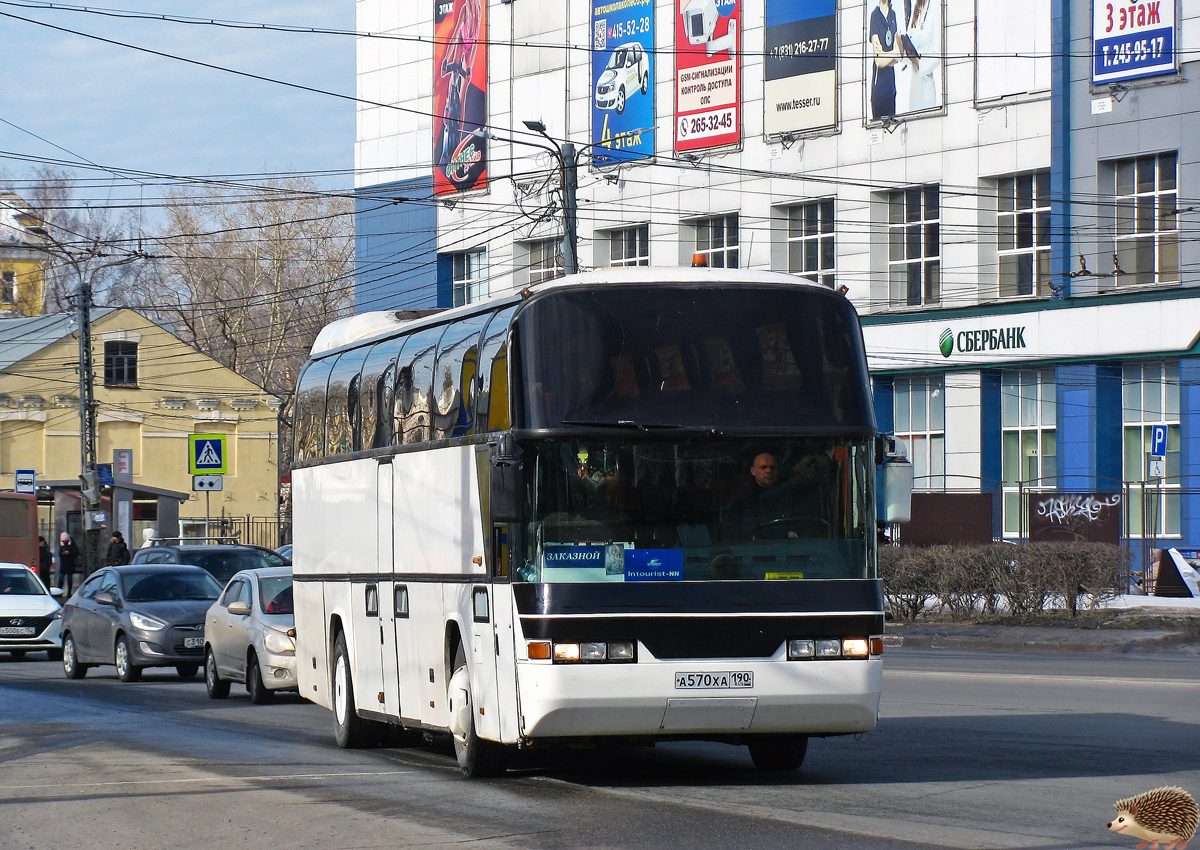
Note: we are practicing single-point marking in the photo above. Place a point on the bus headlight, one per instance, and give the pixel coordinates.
(798, 649)
(829, 648)
(592, 651)
(855, 648)
(620, 650)
(566, 652)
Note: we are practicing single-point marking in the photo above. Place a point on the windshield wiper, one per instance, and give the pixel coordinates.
(630, 425)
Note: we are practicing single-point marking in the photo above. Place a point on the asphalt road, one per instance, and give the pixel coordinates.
(973, 751)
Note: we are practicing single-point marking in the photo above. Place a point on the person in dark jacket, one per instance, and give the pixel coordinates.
(118, 552)
(45, 560)
(68, 562)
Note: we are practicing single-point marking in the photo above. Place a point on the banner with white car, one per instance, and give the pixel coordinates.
(622, 80)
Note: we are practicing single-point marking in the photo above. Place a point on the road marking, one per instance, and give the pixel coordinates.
(1016, 677)
(266, 778)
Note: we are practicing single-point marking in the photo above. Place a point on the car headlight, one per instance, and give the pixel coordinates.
(278, 643)
(146, 623)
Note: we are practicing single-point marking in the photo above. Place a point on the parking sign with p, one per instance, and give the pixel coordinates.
(206, 454)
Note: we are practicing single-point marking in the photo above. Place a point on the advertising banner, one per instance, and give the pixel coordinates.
(800, 76)
(459, 95)
(1132, 40)
(708, 87)
(904, 50)
(622, 80)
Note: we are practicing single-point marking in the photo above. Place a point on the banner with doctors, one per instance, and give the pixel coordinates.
(622, 80)
(904, 51)
(708, 85)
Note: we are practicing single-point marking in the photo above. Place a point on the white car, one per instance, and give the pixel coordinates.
(249, 635)
(627, 71)
(30, 615)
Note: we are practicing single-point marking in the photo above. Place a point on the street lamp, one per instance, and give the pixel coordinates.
(568, 174)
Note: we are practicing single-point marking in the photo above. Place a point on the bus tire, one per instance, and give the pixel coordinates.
(217, 687)
(477, 758)
(351, 731)
(778, 752)
(72, 667)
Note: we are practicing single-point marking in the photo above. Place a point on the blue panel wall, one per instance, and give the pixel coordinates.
(991, 447)
(885, 411)
(395, 247)
(1189, 431)
(1060, 146)
(1089, 427)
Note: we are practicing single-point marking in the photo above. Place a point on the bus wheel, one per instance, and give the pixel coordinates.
(476, 757)
(351, 731)
(778, 752)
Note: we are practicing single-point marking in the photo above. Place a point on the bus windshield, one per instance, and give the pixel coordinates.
(770, 358)
(702, 510)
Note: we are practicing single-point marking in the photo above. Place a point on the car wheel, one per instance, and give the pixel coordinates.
(70, 659)
(217, 687)
(17, 654)
(54, 655)
(645, 83)
(259, 692)
(351, 731)
(126, 670)
(187, 671)
(621, 100)
(476, 757)
(778, 752)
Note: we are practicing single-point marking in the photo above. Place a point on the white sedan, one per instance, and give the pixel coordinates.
(30, 615)
(627, 71)
(249, 635)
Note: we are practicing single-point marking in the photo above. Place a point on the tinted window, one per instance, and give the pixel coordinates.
(455, 376)
(341, 404)
(19, 583)
(275, 594)
(231, 592)
(223, 563)
(377, 392)
(414, 379)
(491, 409)
(309, 437)
(738, 356)
(164, 586)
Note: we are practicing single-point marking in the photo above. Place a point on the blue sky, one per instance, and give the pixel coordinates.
(125, 108)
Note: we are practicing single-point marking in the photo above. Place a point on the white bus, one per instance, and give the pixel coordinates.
(631, 505)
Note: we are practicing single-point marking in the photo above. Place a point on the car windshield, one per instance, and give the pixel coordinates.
(275, 594)
(223, 563)
(20, 582)
(164, 586)
(617, 60)
(699, 510)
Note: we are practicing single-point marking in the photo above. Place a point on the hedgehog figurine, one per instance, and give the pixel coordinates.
(1167, 814)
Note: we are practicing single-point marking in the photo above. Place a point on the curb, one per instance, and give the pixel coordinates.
(1023, 639)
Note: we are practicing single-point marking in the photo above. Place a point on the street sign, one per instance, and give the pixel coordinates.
(1158, 441)
(206, 454)
(123, 463)
(26, 481)
(207, 483)
(105, 471)
(1157, 468)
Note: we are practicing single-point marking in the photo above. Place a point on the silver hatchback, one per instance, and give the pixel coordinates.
(249, 635)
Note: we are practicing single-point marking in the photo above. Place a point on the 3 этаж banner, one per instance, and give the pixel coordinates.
(1132, 40)
(800, 87)
(459, 95)
(622, 80)
(707, 74)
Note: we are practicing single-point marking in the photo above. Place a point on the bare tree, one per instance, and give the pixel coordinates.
(249, 276)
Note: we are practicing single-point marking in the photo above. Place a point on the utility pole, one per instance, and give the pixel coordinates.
(568, 171)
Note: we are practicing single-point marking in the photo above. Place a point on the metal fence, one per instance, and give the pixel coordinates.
(259, 531)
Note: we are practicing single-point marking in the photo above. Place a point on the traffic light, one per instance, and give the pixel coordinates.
(90, 487)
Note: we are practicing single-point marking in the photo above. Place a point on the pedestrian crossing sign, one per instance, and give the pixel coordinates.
(206, 454)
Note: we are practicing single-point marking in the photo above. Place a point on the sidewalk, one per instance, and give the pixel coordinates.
(1163, 625)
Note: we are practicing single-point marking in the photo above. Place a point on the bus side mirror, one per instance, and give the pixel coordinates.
(506, 494)
(896, 490)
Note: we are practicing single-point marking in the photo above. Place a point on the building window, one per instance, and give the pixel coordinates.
(470, 277)
(120, 364)
(8, 287)
(914, 246)
(1146, 221)
(810, 240)
(1028, 399)
(920, 411)
(1023, 234)
(629, 246)
(544, 260)
(717, 240)
(1150, 396)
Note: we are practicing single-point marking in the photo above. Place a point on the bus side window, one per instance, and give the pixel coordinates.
(454, 377)
(375, 394)
(491, 405)
(414, 380)
(309, 439)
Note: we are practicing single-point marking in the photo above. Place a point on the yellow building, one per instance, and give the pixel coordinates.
(23, 258)
(152, 391)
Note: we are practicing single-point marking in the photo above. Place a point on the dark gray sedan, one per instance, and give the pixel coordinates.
(138, 616)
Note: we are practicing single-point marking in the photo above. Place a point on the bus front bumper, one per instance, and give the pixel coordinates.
(646, 699)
